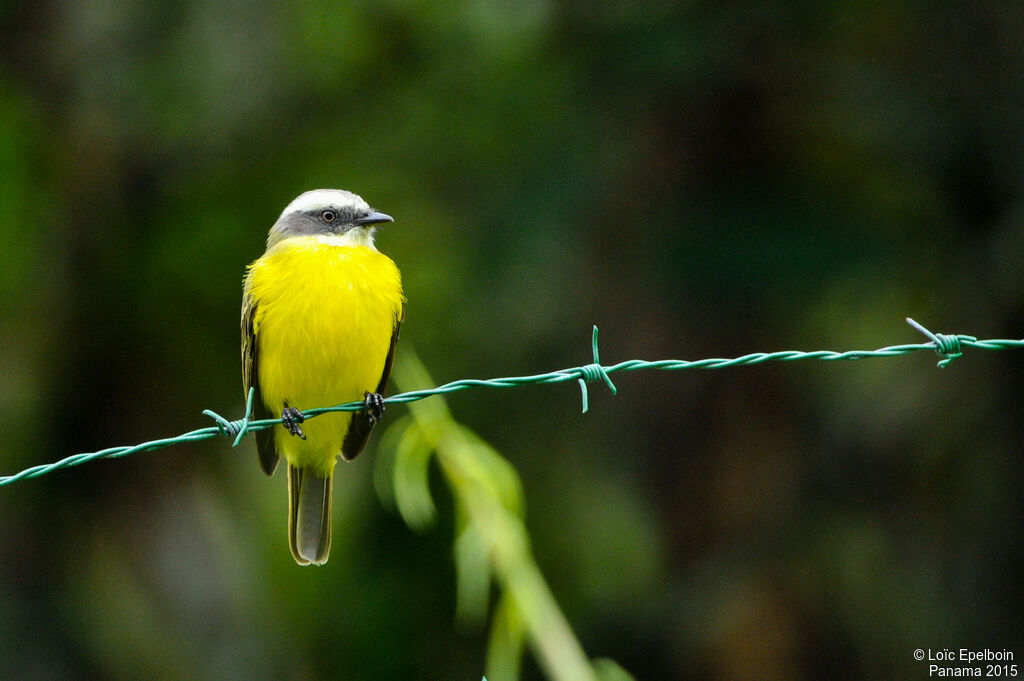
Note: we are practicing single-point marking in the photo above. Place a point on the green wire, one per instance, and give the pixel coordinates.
(948, 347)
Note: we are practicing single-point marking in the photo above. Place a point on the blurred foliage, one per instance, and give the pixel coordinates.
(491, 540)
(697, 179)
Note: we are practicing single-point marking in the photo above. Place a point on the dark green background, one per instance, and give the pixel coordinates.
(697, 179)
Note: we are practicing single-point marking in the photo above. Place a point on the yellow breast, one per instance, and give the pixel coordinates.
(324, 317)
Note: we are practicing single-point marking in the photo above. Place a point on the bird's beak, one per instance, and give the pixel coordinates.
(373, 219)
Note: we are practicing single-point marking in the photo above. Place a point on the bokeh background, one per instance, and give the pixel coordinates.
(698, 179)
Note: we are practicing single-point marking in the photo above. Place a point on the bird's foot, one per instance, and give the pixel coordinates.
(373, 405)
(291, 418)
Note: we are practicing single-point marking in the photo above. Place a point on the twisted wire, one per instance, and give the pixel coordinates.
(949, 347)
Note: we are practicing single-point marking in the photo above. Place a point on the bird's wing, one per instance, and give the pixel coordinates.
(362, 422)
(265, 445)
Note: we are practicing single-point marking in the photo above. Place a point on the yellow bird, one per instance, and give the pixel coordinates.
(320, 318)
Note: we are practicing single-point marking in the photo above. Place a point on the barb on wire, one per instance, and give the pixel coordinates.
(237, 428)
(948, 347)
(592, 372)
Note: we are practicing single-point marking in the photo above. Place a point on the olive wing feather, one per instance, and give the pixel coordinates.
(265, 445)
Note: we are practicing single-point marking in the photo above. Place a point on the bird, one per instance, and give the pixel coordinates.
(321, 314)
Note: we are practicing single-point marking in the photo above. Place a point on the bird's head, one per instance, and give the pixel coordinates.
(331, 213)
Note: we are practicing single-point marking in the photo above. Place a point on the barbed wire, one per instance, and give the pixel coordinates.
(948, 346)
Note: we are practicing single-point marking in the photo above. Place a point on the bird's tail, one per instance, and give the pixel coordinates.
(309, 517)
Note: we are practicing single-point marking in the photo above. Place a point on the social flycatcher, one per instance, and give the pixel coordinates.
(320, 318)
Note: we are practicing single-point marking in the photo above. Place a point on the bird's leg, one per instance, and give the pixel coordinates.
(291, 418)
(373, 405)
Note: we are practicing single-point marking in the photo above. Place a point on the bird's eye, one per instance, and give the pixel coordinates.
(328, 216)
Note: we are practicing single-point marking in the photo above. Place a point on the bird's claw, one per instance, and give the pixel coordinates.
(373, 405)
(291, 418)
